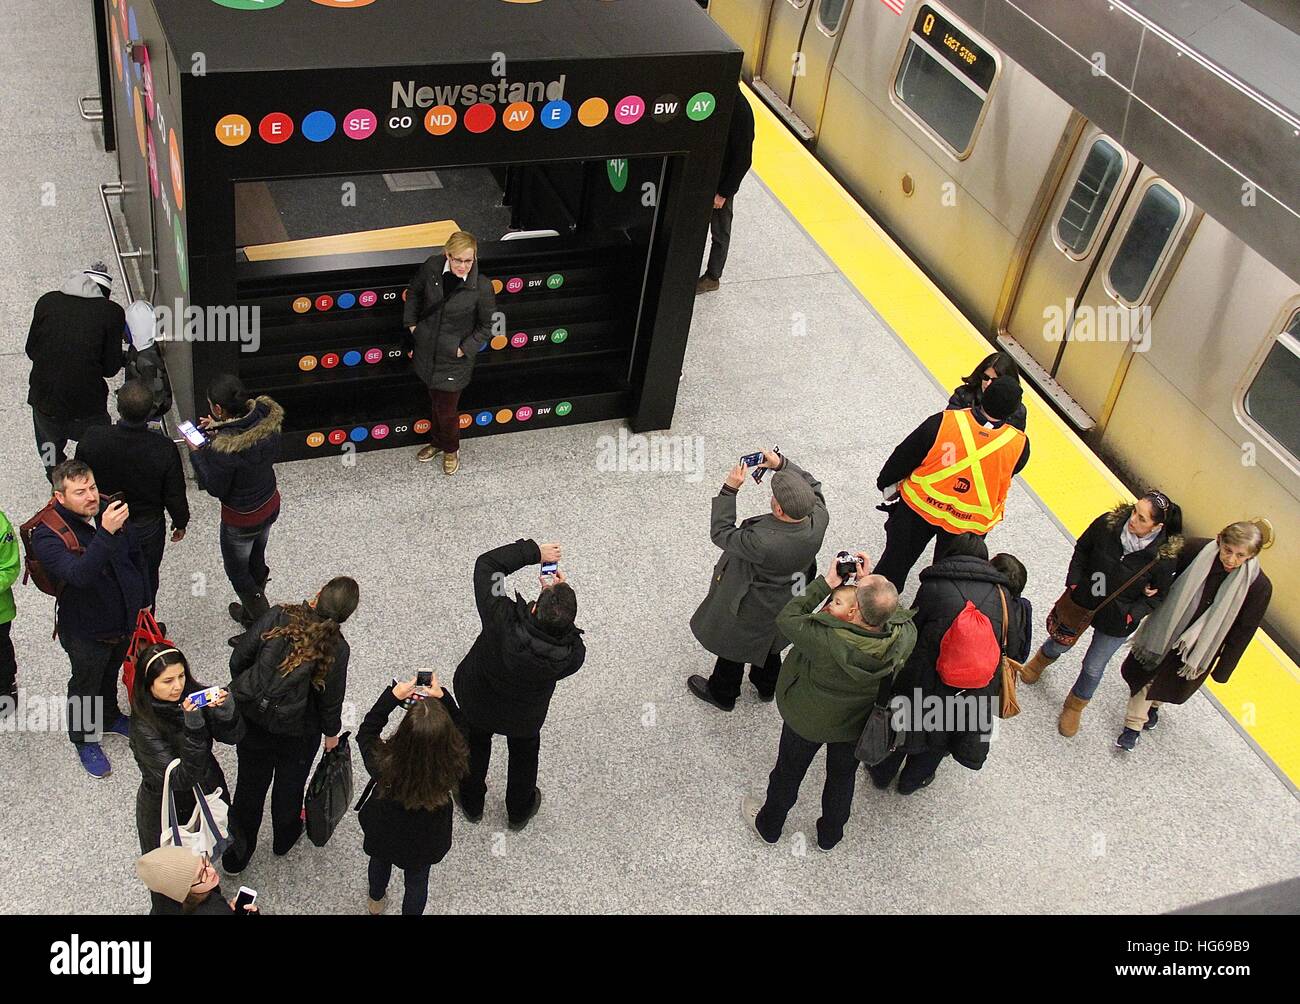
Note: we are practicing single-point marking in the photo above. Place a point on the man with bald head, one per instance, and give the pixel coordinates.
(842, 657)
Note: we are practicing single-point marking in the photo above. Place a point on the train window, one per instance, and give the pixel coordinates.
(829, 15)
(1270, 399)
(1149, 235)
(944, 79)
(1089, 198)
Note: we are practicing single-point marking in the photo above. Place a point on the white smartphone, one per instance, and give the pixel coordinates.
(191, 432)
(246, 897)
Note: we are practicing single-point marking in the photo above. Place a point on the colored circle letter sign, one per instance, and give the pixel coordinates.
(232, 130)
(700, 106)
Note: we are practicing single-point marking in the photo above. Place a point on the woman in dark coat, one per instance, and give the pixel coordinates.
(406, 808)
(964, 573)
(448, 318)
(1139, 540)
(1218, 600)
(970, 392)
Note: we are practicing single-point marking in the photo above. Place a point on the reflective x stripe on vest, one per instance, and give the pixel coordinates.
(969, 493)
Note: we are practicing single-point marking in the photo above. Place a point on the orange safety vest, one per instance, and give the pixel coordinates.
(963, 482)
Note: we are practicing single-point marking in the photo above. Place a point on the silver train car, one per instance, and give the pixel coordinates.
(1128, 232)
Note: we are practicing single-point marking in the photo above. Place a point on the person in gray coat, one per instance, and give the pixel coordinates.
(448, 318)
(765, 561)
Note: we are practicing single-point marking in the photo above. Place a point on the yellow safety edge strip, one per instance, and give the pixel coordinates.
(1264, 693)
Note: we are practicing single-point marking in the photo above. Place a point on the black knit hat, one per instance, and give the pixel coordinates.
(1001, 398)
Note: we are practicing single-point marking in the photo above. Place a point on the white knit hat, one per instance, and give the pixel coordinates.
(99, 272)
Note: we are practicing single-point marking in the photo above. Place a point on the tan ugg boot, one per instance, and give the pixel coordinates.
(1033, 669)
(1071, 714)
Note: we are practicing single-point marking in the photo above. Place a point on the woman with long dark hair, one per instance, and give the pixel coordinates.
(970, 392)
(406, 810)
(289, 675)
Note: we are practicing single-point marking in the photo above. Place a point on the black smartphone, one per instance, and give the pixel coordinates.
(246, 897)
(191, 432)
(424, 678)
(112, 497)
(752, 459)
(758, 473)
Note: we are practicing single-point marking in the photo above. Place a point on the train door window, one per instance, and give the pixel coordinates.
(1271, 397)
(1145, 245)
(943, 80)
(1089, 198)
(829, 15)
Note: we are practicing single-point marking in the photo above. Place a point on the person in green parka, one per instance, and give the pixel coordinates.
(10, 565)
(842, 655)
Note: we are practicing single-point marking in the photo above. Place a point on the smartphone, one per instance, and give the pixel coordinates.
(191, 432)
(759, 473)
(202, 698)
(550, 567)
(112, 497)
(246, 897)
(752, 459)
(424, 678)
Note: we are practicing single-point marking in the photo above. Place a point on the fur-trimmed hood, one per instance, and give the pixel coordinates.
(1118, 516)
(264, 419)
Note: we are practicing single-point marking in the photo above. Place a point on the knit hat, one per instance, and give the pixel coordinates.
(99, 272)
(169, 871)
(793, 494)
(1001, 398)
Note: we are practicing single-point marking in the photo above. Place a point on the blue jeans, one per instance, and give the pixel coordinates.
(417, 885)
(243, 552)
(1101, 650)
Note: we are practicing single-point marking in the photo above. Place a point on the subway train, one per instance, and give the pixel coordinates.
(1167, 336)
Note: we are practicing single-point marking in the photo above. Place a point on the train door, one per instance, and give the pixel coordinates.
(802, 37)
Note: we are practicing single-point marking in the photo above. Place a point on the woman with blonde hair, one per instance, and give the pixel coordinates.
(448, 319)
(1218, 599)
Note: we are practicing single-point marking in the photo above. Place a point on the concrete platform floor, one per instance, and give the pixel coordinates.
(642, 781)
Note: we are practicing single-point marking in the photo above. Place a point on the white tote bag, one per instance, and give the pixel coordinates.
(207, 831)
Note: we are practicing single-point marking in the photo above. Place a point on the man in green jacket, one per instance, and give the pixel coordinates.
(827, 686)
(10, 565)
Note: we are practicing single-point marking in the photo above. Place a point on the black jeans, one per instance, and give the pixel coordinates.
(417, 885)
(724, 684)
(720, 238)
(52, 435)
(917, 768)
(793, 758)
(280, 763)
(521, 773)
(92, 687)
(152, 535)
(906, 537)
(243, 553)
(8, 661)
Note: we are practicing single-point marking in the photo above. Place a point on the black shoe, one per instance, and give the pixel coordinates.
(907, 789)
(232, 863)
(456, 801)
(763, 695)
(537, 804)
(699, 686)
(297, 835)
(1153, 719)
(878, 777)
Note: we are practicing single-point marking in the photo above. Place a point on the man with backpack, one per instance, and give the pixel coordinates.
(81, 549)
(143, 360)
(963, 625)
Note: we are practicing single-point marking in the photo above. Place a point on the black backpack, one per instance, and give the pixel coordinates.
(148, 366)
(275, 702)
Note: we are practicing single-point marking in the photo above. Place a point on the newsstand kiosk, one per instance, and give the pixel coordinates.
(287, 164)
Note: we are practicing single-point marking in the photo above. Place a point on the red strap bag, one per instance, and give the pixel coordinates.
(146, 633)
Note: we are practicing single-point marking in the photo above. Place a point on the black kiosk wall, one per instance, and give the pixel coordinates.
(608, 116)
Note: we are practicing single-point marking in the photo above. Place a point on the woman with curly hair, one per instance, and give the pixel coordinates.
(406, 808)
(289, 674)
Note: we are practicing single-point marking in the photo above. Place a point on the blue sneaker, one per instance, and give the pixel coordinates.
(121, 727)
(1153, 719)
(93, 759)
(1128, 739)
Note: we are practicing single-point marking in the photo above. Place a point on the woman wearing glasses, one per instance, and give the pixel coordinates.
(970, 391)
(448, 318)
(185, 882)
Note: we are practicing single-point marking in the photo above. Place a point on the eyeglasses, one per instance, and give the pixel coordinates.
(203, 870)
(460, 261)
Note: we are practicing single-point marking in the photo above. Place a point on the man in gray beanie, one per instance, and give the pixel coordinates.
(75, 345)
(765, 561)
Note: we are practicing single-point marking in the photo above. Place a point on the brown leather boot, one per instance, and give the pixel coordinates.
(1068, 723)
(1033, 669)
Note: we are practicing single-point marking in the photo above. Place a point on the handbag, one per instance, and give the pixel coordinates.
(1008, 670)
(146, 633)
(878, 738)
(1067, 620)
(330, 792)
(207, 831)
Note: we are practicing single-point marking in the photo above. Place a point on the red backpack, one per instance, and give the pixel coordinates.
(969, 653)
(32, 567)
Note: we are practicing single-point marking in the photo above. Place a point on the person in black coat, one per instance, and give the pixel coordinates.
(963, 574)
(1124, 560)
(506, 680)
(237, 467)
(406, 808)
(166, 726)
(145, 467)
(75, 345)
(289, 677)
(448, 319)
(970, 392)
(737, 157)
